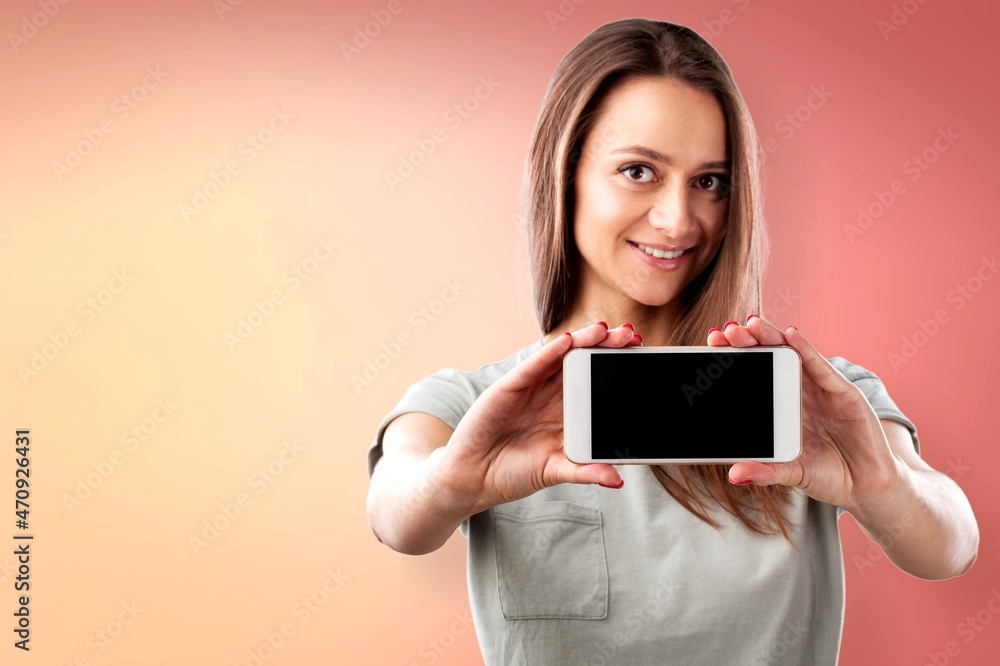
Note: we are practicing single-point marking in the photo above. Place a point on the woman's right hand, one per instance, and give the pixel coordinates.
(509, 445)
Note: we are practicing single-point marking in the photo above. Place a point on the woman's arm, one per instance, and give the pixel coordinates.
(408, 508)
(924, 522)
(508, 445)
(852, 459)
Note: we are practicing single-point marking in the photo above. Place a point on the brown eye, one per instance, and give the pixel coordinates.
(639, 173)
(714, 183)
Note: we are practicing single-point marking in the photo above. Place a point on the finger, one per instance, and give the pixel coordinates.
(619, 337)
(739, 336)
(825, 375)
(547, 361)
(543, 364)
(567, 471)
(767, 474)
(716, 338)
(588, 336)
(766, 332)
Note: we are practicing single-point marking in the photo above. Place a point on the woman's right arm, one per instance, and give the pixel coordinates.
(407, 508)
(506, 447)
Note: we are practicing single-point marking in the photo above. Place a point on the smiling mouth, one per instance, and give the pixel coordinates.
(660, 254)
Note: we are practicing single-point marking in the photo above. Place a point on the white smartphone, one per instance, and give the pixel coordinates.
(690, 405)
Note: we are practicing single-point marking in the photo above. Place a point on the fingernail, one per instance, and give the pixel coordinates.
(621, 484)
(793, 327)
(715, 328)
(749, 316)
(728, 323)
(604, 324)
(628, 325)
(638, 337)
(743, 482)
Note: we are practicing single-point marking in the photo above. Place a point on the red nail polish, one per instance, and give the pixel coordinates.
(728, 323)
(743, 482)
(715, 328)
(793, 327)
(638, 337)
(618, 487)
(569, 334)
(628, 325)
(604, 324)
(753, 315)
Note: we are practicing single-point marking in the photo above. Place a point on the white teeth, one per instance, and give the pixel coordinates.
(660, 254)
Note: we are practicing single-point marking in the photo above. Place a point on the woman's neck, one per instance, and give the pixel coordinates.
(652, 323)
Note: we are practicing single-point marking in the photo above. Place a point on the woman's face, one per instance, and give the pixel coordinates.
(652, 181)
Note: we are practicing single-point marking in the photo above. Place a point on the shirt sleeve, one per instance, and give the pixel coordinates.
(878, 397)
(447, 394)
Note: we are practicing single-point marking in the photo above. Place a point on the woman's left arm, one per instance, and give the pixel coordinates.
(918, 516)
(924, 523)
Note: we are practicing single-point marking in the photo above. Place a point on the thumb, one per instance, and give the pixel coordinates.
(766, 474)
(602, 474)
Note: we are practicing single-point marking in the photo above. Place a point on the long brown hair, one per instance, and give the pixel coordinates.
(728, 288)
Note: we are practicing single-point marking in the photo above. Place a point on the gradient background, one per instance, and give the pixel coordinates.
(323, 176)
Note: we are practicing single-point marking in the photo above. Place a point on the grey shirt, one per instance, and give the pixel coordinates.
(584, 575)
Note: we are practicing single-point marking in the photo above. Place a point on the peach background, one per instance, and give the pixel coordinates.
(322, 176)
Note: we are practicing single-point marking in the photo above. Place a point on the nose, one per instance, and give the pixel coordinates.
(671, 212)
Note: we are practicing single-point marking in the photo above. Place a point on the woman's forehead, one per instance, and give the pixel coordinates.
(663, 115)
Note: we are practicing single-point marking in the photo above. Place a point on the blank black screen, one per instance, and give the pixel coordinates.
(682, 405)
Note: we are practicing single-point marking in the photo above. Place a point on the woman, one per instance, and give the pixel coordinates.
(644, 207)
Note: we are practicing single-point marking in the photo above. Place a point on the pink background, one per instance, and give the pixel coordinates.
(318, 181)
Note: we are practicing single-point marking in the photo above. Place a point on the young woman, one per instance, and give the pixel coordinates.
(644, 206)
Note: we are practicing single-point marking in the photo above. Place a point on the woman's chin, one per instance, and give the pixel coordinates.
(653, 298)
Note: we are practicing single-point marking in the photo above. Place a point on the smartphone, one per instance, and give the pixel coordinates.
(690, 405)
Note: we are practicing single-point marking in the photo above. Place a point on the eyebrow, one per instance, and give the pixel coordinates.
(666, 159)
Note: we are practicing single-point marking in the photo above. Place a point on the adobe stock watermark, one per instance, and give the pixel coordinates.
(31, 25)
(258, 481)
(223, 7)
(302, 610)
(294, 277)
(634, 625)
(546, 534)
(958, 297)
(715, 27)
(791, 634)
(779, 305)
(131, 440)
(796, 119)
(562, 11)
(874, 553)
(100, 641)
(876, 549)
(597, 143)
(434, 648)
(915, 167)
(706, 377)
(87, 311)
(365, 34)
(220, 179)
(968, 629)
(898, 17)
(122, 107)
(454, 116)
(419, 320)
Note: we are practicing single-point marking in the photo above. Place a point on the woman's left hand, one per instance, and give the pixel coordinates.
(846, 459)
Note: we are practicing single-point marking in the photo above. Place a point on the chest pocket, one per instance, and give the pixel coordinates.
(551, 561)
